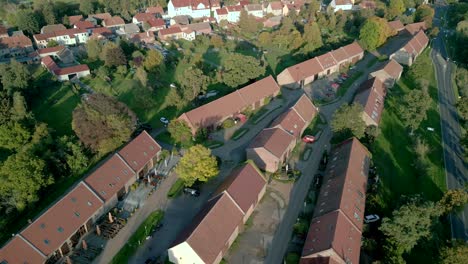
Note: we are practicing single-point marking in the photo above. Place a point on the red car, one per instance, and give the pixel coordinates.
(308, 139)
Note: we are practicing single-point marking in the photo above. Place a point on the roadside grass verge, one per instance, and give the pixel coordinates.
(213, 144)
(346, 84)
(239, 133)
(176, 189)
(138, 238)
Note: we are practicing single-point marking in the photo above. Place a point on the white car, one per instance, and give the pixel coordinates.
(371, 218)
(164, 120)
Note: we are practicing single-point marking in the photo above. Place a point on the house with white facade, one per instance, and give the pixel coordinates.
(67, 37)
(275, 8)
(221, 14)
(344, 5)
(192, 8)
(234, 13)
(255, 10)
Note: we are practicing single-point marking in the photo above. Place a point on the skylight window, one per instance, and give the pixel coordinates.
(90, 203)
(77, 214)
(60, 229)
(46, 241)
(42, 226)
(73, 199)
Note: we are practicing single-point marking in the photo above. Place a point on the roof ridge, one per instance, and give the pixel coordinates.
(126, 163)
(92, 191)
(31, 245)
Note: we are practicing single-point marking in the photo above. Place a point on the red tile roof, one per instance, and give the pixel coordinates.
(114, 21)
(396, 25)
(259, 90)
(366, 4)
(222, 11)
(74, 19)
(297, 117)
(416, 44)
(305, 108)
(169, 31)
(155, 10)
(277, 5)
(181, 3)
(371, 96)
(345, 181)
(3, 30)
(72, 69)
(142, 17)
(211, 229)
(353, 49)
(237, 8)
(415, 27)
(50, 50)
(333, 231)
(275, 140)
(393, 68)
(327, 60)
(84, 24)
(102, 31)
(63, 219)
(52, 28)
(244, 184)
(15, 42)
(101, 16)
(110, 177)
(253, 7)
(50, 64)
(157, 22)
(18, 250)
(138, 152)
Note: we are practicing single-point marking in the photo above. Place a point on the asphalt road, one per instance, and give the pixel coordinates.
(455, 167)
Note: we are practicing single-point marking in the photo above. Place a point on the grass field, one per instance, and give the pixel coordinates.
(393, 155)
(176, 188)
(138, 237)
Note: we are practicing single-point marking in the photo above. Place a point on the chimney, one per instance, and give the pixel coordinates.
(84, 245)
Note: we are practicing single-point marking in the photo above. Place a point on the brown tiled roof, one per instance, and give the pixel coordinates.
(52, 28)
(155, 10)
(114, 21)
(101, 30)
(181, 3)
(305, 108)
(343, 2)
(277, 5)
(110, 177)
(200, 27)
(275, 140)
(19, 251)
(84, 24)
(305, 69)
(353, 49)
(321, 260)
(72, 69)
(366, 4)
(327, 60)
(244, 184)
(157, 22)
(291, 122)
(169, 31)
(15, 42)
(74, 19)
(371, 96)
(63, 219)
(233, 103)
(101, 16)
(237, 8)
(344, 184)
(49, 63)
(142, 17)
(211, 229)
(416, 44)
(253, 7)
(182, 20)
(333, 231)
(396, 25)
(50, 50)
(3, 30)
(393, 68)
(138, 152)
(222, 11)
(415, 27)
(39, 37)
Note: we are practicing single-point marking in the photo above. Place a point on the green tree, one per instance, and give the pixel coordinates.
(455, 254)
(312, 37)
(142, 76)
(15, 77)
(374, 33)
(87, 6)
(73, 153)
(372, 132)
(19, 108)
(395, 8)
(27, 20)
(103, 123)
(347, 119)
(410, 223)
(193, 83)
(49, 14)
(248, 24)
(52, 43)
(425, 13)
(180, 132)
(153, 61)
(113, 55)
(238, 69)
(413, 108)
(453, 200)
(217, 41)
(197, 164)
(13, 135)
(22, 175)
(93, 48)
(264, 39)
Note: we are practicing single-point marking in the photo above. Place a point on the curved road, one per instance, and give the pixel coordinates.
(455, 167)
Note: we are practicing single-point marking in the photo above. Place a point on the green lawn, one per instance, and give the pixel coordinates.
(138, 237)
(176, 188)
(393, 155)
(239, 133)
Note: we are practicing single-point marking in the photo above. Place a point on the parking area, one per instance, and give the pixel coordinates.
(326, 89)
(253, 243)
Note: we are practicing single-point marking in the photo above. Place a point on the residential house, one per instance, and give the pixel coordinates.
(113, 23)
(217, 225)
(297, 118)
(188, 34)
(199, 28)
(179, 7)
(84, 25)
(99, 18)
(271, 148)
(52, 28)
(154, 24)
(140, 18)
(128, 30)
(255, 10)
(101, 33)
(411, 50)
(180, 20)
(192, 8)
(221, 14)
(73, 19)
(59, 229)
(67, 37)
(61, 53)
(371, 95)
(17, 46)
(275, 8)
(290, 6)
(19, 250)
(388, 74)
(171, 33)
(368, 4)
(147, 37)
(155, 10)
(272, 22)
(335, 231)
(396, 25)
(3, 32)
(414, 28)
(252, 96)
(344, 5)
(234, 13)
(66, 73)
(308, 71)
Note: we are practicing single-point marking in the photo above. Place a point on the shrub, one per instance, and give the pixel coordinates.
(228, 123)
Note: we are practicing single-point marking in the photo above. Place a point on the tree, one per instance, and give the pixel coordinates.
(142, 76)
(409, 224)
(19, 108)
(22, 175)
(27, 20)
(374, 33)
(15, 77)
(238, 69)
(13, 135)
(180, 132)
(372, 132)
(347, 118)
(49, 14)
(217, 41)
(192, 83)
(457, 253)
(413, 108)
(421, 149)
(73, 153)
(264, 39)
(248, 24)
(93, 48)
(113, 55)
(425, 13)
(395, 8)
(153, 60)
(197, 164)
(434, 32)
(103, 123)
(312, 37)
(87, 6)
(453, 200)
(52, 43)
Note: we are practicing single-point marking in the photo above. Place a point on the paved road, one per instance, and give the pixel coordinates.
(455, 167)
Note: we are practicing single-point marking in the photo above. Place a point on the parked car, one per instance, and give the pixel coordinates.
(192, 192)
(371, 218)
(146, 126)
(164, 120)
(308, 139)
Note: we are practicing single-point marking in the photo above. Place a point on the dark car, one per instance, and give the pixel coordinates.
(192, 192)
(146, 126)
